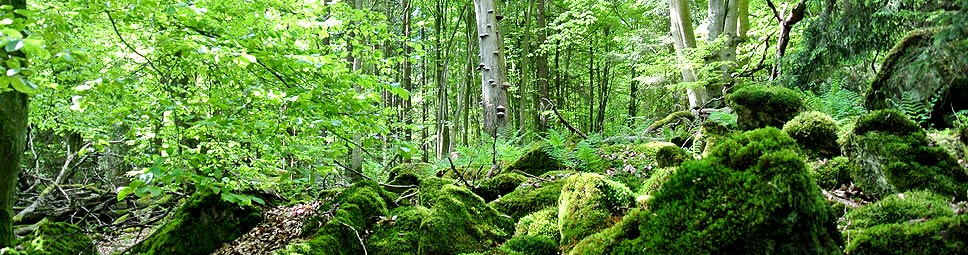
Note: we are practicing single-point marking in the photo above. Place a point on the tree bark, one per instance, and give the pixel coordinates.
(542, 66)
(494, 73)
(13, 135)
(786, 25)
(684, 38)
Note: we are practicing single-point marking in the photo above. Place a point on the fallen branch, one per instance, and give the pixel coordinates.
(357, 236)
(54, 185)
(563, 121)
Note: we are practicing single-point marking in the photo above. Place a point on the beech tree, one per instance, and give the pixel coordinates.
(13, 122)
(494, 83)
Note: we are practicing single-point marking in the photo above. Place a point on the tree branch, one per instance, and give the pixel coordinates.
(563, 121)
(126, 44)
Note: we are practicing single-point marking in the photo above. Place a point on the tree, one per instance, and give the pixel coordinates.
(13, 133)
(493, 71)
(683, 38)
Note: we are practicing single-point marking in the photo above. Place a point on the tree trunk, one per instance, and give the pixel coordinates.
(542, 66)
(407, 72)
(468, 80)
(633, 98)
(525, 62)
(683, 38)
(356, 155)
(786, 25)
(13, 135)
(494, 75)
(443, 130)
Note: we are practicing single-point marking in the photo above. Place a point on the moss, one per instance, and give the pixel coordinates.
(536, 161)
(760, 106)
(816, 133)
(588, 203)
(532, 245)
(533, 195)
(615, 237)
(409, 174)
(357, 209)
(59, 238)
(398, 232)
(900, 208)
(540, 223)
(499, 185)
(633, 156)
(831, 174)
(460, 222)
(670, 156)
(711, 132)
(891, 154)
(655, 180)
(685, 115)
(752, 195)
(200, 226)
(944, 235)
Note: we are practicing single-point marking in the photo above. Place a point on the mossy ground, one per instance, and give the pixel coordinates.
(532, 195)
(200, 226)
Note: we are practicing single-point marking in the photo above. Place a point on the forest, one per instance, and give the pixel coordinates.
(233, 127)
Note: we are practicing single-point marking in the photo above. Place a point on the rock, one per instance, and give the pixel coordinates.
(499, 185)
(536, 161)
(460, 222)
(589, 203)
(532, 245)
(831, 174)
(751, 195)
(354, 211)
(56, 238)
(540, 223)
(398, 232)
(891, 154)
(200, 226)
(816, 133)
(944, 235)
(759, 106)
(603, 242)
(671, 156)
(899, 208)
(922, 79)
(532, 195)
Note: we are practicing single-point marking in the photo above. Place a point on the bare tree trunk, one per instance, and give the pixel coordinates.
(468, 80)
(407, 72)
(683, 38)
(786, 25)
(494, 74)
(542, 66)
(13, 135)
(525, 62)
(443, 130)
(356, 156)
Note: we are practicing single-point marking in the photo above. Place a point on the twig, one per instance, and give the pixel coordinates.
(563, 121)
(405, 197)
(357, 236)
(459, 175)
(126, 44)
(55, 185)
(531, 175)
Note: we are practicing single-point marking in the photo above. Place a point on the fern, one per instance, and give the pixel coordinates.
(841, 104)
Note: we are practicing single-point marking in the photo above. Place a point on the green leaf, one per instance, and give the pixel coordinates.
(12, 33)
(22, 85)
(14, 45)
(13, 71)
(124, 192)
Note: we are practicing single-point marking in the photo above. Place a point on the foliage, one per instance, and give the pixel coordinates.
(842, 104)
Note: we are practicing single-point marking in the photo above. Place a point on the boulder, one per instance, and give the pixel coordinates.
(759, 106)
(200, 226)
(589, 203)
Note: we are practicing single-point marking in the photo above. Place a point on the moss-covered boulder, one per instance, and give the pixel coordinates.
(917, 73)
(710, 133)
(655, 180)
(944, 235)
(621, 233)
(398, 232)
(200, 226)
(899, 208)
(56, 238)
(497, 186)
(461, 222)
(540, 223)
(532, 195)
(890, 154)
(355, 211)
(759, 106)
(816, 133)
(671, 156)
(832, 173)
(536, 161)
(531, 245)
(751, 195)
(588, 203)
(409, 174)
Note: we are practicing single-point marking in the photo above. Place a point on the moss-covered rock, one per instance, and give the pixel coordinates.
(655, 180)
(619, 234)
(816, 133)
(686, 116)
(944, 235)
(635, 156)
(398, 233)
(670, 156)
(540, 223)
(831, 174)
(531, 245)
(899, 208)
(532, 195)
(711, 132)
(589, 203)
(890, 154)
(919, 73)
(536, 161)
(56, 238)
(409, 174)
(357, 209)
(759, 106)
(460, 222)
(200, 226)
(499, 185)
(752, 195)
